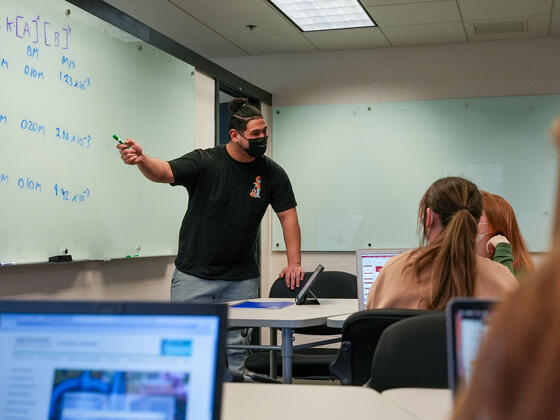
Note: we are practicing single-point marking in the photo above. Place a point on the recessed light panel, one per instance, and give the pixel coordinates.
(322, 15)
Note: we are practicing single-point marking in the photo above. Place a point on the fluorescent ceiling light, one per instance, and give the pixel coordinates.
(321, 15)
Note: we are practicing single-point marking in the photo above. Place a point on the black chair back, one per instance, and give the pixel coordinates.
(411, 353)
(328, 285)
(360, 335)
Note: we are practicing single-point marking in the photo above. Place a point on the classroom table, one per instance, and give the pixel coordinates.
(287, 319)
(337, 321)
(252, 401)
(424, 403)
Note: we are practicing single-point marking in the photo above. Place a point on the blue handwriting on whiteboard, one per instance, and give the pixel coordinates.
(4, 64)
(33, 72)
(67, 195)
(4, 178)
(83, 141)
(78, 84)
(33, 126)
(38, 30)
(71, 64)
(3, 119)
(28, 184)
(32, 51)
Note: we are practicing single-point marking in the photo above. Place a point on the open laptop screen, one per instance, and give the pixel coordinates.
(107, 366)
(369, 265)
(467, 321)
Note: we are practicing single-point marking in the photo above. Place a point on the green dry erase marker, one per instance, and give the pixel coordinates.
(118, 139)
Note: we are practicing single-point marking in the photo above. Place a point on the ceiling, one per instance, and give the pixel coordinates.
(217, 28)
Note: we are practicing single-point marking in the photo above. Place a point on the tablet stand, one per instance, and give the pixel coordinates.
(310, 300)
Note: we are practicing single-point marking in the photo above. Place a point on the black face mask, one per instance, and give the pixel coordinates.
(257, 146)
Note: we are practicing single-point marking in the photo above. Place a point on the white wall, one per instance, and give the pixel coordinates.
(497, 68)
(137, 279)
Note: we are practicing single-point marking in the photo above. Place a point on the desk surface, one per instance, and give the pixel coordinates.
(337, 321)
(249, 401)
(293, 316)
(426, 404)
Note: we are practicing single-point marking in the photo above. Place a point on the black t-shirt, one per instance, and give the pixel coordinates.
(227, 201)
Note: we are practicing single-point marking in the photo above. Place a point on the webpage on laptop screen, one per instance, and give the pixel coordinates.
(470, 326)
(371, 267)
(107, 367)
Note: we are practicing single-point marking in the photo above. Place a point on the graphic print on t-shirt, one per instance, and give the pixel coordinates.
(256, 191)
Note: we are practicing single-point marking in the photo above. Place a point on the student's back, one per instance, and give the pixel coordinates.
(447, 267)
(398, 286)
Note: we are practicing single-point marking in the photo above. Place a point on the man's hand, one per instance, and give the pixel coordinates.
(293, 274)
(493, 243)
(131, 152)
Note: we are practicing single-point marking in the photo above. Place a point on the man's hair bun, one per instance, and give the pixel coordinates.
(237, 103)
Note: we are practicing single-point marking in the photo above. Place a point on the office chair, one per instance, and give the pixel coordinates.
(360, 334)
(311, 363)
(411, 353)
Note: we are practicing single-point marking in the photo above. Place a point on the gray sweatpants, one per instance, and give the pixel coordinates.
(185, 287)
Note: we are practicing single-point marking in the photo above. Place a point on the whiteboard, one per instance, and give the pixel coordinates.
(360, 170)
(68, 82)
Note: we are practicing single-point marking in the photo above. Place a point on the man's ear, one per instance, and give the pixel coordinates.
(234, 135)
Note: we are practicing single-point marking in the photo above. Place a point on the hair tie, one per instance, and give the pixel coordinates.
(465, 208)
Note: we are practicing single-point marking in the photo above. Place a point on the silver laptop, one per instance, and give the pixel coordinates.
(467, 323)
(369, 263)
(101, 360)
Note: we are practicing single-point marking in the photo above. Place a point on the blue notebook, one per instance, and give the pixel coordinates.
(262, 305)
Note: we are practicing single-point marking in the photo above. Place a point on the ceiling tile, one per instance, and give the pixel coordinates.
(236, 27)
(166, 18)
(555, 25)
(496, 9)
(216, 49)
(415, 14)
(435, 33)
(535, 26)
(367, 3)
(347, 39)
(275, 44)
(206, 8)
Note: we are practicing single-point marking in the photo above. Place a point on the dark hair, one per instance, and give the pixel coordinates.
(241, 113)
(451, 255)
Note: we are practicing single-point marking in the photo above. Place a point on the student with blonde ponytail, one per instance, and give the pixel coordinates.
(447, 265)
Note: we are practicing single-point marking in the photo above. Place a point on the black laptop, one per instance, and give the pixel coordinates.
(114, 361)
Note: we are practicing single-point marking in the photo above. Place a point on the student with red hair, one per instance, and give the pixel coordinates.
(499, 236)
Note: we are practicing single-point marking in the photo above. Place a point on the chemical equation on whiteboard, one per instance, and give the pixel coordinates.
(3, 119)
(70, 196)
(4, 64)
(81, 84)
(72, 138)
(37, 30)
(32, 126)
